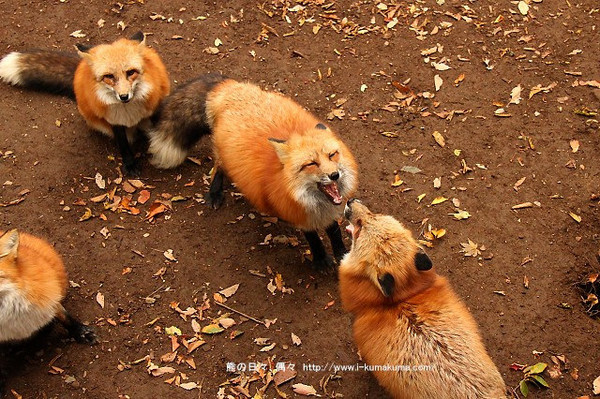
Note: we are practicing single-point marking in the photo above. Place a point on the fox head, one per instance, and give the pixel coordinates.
(9, 244)
(118, 68)
(317, 165)
(384, 256)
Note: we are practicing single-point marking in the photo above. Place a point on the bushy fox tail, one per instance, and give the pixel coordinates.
(41, 70)
(181, 121)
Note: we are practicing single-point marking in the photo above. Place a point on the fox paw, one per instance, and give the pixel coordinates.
(84, 335)
(215, 199)
(132, 169)
(324, 265)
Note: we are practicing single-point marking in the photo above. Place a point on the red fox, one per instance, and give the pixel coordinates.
(117, 86)
(407, 316)
(281, 157)
(33, 282)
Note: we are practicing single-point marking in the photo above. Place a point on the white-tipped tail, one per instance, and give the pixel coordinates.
(165, 152)
(10, 68)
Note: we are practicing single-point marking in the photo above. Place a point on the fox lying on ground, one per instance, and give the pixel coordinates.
(407, 315)
(33, 282)
(117, 86)
(281, 157)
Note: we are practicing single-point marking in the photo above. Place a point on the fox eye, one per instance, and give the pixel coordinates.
(109, 76)
(309, 164)
(333, 154)
(131, 72)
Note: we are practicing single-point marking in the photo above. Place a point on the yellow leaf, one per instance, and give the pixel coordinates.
(439, 233)
(457, 152)
(460, 215)
(575, 216)
(438, 200)
(420, 197)
(172, 330)
(439, 138)
(397, 182)
(574, 145)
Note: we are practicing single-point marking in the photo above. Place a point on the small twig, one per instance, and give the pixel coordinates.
(241, 314)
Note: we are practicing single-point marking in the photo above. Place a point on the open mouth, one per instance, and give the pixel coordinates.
(332, 192)
(354, 231)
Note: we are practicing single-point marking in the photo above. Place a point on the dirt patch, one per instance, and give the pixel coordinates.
(542, 151)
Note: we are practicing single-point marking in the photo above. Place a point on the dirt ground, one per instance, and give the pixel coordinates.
(369, 70)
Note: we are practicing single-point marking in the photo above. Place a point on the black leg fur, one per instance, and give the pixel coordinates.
(215, 192)
(78, 331)
(129, 163)
(321, 259)
(337, 243)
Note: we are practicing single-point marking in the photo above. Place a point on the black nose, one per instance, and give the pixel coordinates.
(335, 175)
(124, 97)
(348, 209)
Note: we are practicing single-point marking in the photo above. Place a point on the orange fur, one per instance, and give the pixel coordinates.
(116, 59)
(243, 119)
(422, 322)
(37, 271)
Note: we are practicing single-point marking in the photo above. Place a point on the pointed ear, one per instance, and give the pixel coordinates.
(386, 282)
(9, 243)
(83, 51)
(139, 37)
(422, 261)
(281, 148)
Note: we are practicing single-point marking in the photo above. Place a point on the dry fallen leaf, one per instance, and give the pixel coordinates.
(229, 291)
(575, 217)
(100, 182)
(303, 389)
(296, 340)
(438, 81)
(574, 145)
(470, 248)
(100, 299)
(597, 386)
(439, 138)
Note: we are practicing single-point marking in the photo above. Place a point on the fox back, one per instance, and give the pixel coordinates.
(281, 157)
(120, 83)
(407, 315)
(33, 282)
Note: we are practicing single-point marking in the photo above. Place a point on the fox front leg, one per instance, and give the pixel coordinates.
(130, 165)
(337, 242)
(321, 259)
(3, 377)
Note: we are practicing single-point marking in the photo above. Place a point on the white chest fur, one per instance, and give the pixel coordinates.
(127, 114)
(19, 318)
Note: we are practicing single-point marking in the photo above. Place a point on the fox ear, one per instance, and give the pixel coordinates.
(386, 282)
(321, 126)
(9, 243)
(83, 51)
(139, 37)
(422, 261)
(281, 148)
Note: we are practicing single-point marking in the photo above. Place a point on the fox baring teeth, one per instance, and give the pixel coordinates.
(281, 157)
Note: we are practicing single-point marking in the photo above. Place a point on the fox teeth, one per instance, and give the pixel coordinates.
(331, 190)
(350, 229)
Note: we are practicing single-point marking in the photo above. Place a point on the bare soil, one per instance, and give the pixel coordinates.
(361, 54)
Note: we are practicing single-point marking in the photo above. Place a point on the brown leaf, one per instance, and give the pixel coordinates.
(143, 197)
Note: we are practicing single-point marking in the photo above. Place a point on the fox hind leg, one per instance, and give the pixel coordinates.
(337, 243)
(77, 330)
(216, 197)
(322, 261)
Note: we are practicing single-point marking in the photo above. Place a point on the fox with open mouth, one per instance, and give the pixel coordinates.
(284, 160)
